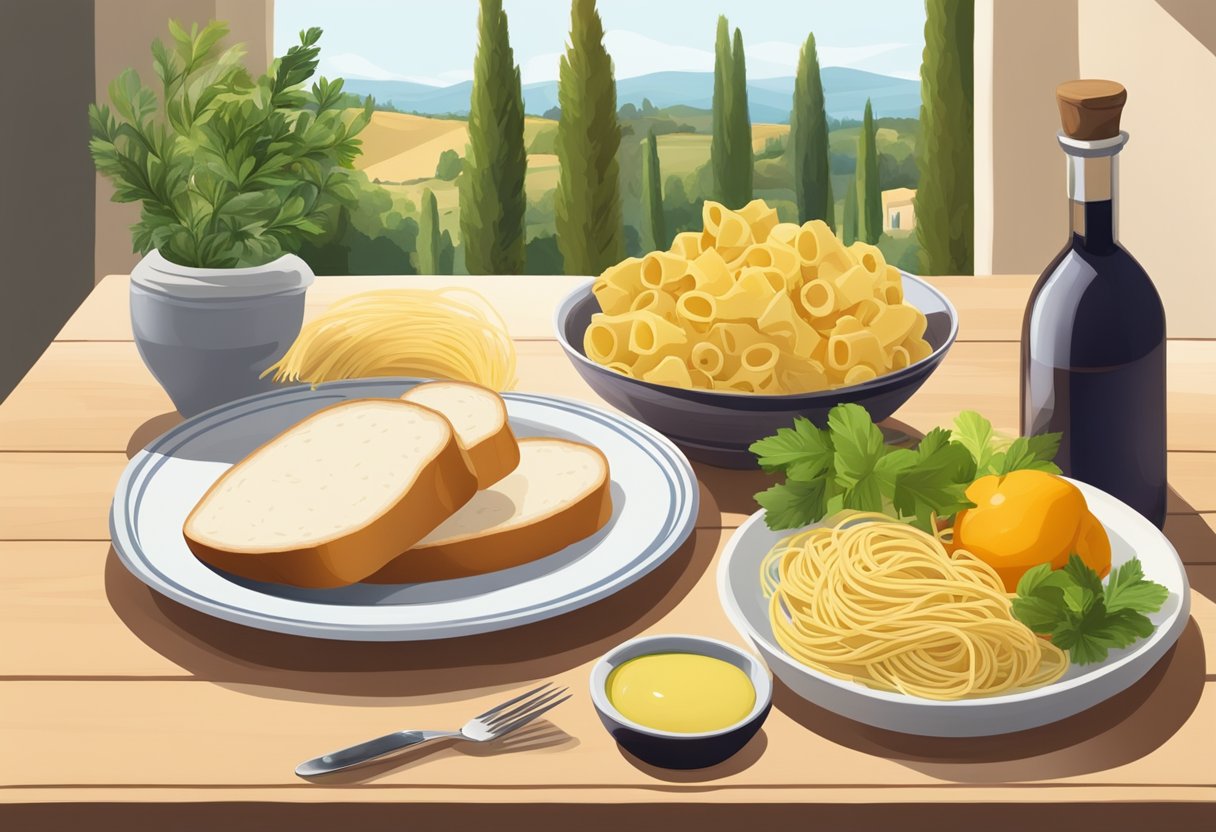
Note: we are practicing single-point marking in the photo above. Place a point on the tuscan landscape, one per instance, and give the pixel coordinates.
(467, 178)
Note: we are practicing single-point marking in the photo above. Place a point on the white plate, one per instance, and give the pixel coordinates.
(654, 508)
(1080, 688)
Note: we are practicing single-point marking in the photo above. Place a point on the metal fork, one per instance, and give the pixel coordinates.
(491, 725)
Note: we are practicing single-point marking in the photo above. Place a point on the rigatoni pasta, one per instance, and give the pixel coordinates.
(753, 305)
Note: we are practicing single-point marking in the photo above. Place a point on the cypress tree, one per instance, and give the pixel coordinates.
(590, 229)
(428, 234)
(719, 155)
(869, 197)
(809, 141)
(492, 199)
(739, 131)
(655, 226)
(830, 219)
(447, 253)
(848, 234)
(945, 199)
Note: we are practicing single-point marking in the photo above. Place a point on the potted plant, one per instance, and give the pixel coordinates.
(234, 174)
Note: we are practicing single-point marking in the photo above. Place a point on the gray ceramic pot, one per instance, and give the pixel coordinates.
(208, 334)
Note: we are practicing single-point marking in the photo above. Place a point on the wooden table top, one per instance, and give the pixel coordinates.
(118, 700)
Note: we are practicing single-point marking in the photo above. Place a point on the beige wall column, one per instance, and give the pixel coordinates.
(1162, 51)
(123, 35)
(1022, 51)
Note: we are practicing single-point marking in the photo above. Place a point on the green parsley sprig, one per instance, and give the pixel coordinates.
(848, 466)
(1080, 615)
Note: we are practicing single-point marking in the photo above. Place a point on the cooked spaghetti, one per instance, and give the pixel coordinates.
(878, 602)
(433, 333)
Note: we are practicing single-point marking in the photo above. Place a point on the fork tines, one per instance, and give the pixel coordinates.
(499, 728)
(511, 702)
(503, 719)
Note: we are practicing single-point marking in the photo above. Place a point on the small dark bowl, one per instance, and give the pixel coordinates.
(669, 749)
(718, 427)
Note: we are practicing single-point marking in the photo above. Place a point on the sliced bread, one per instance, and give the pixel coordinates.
(557, 496)
(335, 497)
(479, 417)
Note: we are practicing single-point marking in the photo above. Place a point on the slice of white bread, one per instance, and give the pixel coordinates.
(479, 417)
(558, 495)
(335, 497)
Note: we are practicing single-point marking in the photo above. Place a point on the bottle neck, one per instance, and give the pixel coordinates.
(1093, 170)
(1093, 225)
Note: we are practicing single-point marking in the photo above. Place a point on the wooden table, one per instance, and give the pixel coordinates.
(120, 707)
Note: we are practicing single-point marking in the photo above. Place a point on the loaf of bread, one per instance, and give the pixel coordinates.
(558, 495)
(479, 417)
(334, 498)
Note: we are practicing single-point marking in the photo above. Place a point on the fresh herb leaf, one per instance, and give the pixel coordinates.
(1039, 614)
(974, 432)
(865, 494)
(1034, 453)
(933, 442)
(1128, 590)
(794, 503)
(850, 467)
(857, 442)
(936, 484)
(1032, 579)
(892, 465)
(1081, 636)
(803, 444)
(1083, 576)
(1070, 605)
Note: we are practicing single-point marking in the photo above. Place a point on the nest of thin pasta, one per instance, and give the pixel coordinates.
(879, 602)
(442, 333)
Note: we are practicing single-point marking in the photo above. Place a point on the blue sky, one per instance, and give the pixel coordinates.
(433, 41)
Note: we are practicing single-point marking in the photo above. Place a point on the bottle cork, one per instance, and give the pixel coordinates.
(1090, 109)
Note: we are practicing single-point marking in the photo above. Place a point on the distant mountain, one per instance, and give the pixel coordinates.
(769, 99)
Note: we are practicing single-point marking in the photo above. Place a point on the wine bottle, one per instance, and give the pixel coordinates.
(1093, 338)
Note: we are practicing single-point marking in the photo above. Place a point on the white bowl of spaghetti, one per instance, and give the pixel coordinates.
(871, 619)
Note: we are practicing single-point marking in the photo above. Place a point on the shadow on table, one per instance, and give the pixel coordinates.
(151, 429)
(541, 736)
(1122, 729)
(293, 667)
(744, 759)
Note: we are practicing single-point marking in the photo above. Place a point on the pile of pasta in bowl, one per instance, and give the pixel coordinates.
(753, 305)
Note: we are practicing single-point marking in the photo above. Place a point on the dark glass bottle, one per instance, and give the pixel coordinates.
(1093, 339)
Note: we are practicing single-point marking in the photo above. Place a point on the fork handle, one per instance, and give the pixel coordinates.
(365, 752)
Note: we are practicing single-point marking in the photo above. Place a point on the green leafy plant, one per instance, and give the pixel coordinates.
(1080, 615)
(848, 466)
(231, 171)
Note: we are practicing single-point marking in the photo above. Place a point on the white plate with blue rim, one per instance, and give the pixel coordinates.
(654, 508)
(1081, 687)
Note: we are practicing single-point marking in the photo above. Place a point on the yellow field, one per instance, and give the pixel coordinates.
(763, 132)
(682, 153)
(398, 147)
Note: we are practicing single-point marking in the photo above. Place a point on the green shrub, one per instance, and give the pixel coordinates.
(450, 165)
(231, 171)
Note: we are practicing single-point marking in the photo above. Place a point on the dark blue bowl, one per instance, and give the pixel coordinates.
(718, 427)
(668, 749)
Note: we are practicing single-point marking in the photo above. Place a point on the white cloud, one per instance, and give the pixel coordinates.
(349, 65)
(632, 55)
(635, 54)
(854, 56)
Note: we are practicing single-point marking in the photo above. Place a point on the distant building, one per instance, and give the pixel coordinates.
(898, 212)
